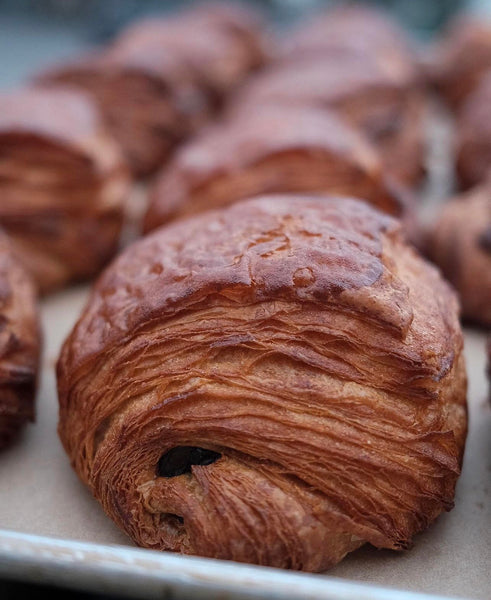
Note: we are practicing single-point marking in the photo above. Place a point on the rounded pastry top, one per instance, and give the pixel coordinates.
(320, 82)
(64, 115)
(349, 29)
(263, 130)
(271, 150)
(61, 121)
(237, 19)
(337, 254)
(220, 43)
(63, 183)
(56, 151)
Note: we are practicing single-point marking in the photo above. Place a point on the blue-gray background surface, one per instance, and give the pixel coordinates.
(37, 33)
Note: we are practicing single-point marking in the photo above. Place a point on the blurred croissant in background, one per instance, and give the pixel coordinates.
(63, 183)
(20, 345)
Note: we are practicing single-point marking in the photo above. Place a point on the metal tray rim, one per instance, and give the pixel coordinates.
(138, 572)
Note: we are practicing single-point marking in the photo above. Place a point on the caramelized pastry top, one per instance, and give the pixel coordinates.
(221, 43)
(325, 83)
(270, 150)
(380, 96)
(294, 248)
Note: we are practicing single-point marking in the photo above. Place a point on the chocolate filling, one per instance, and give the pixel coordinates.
(180, 459)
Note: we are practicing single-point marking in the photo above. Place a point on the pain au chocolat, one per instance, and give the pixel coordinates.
(63, 185)
(383, 100)
(271, 150)
(161, 78)
(277, 382)
(221, 42)
(20, 342)
(460, 244)
(148, 99)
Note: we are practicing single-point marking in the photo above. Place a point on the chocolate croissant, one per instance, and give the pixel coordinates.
(20, 341)
(164, 77)
(460, 244)
(278, 382)
(473, 136)
(460, 58)
(271, 150)
(63, 185)
(222, 42)
(382, 99)
(148, 99)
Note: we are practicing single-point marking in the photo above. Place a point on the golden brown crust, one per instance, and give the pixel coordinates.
(63, 185)
(461, 245)
(20, 341)
(270, 150)
(381, 98)
(473, 135)
(461, 57)
(302, 341)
